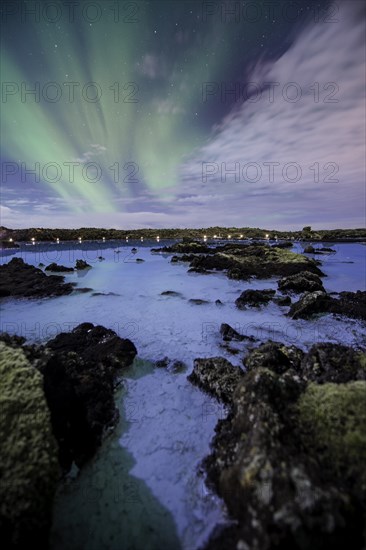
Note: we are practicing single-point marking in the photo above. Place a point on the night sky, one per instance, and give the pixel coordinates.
(183, 114)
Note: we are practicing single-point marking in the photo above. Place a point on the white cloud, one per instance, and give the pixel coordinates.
(304, 132)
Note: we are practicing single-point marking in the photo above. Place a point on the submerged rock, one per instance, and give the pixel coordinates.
(217, 376)
(301, 282)
(175, 367)
(254, 298)
(198, 301)
(20, 279)
(28, 465)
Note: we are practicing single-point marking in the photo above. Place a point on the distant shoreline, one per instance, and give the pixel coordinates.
(10, 237)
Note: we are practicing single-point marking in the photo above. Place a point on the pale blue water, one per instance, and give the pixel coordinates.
(167, 424)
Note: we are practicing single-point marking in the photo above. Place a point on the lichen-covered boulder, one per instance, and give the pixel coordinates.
(274, 356)
(333, 424)
(254, 298)
(28, 465)
(350, 304)
(309, 304)
(259, 468)
(327, 362)
(217, 376)
(305, 281)
(289, 458)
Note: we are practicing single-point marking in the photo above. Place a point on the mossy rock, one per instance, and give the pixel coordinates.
(28, 466)
(333, 421)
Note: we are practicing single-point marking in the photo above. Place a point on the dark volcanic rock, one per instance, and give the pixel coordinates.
(254, 298)
(284, 244)
(289, 458)
(162, 363)
(82, 264)
(95, 344)
(309, 304)
(325, 250)
(274, 356)
(184, 248)
(228, 334)
(350, 304)
(305, 281)
(20, 279)
(244, 261)
(333, 363)
(170, 293)
(59, 268)
(80, 373)
(105, 294)
(216, 376)
(198, 301)
(283, 300)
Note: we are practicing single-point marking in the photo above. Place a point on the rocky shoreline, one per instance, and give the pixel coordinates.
(19, 279)
(10, 237)
(288, 459)
(57, 404)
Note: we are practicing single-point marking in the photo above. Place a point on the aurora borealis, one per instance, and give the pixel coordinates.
(132, 99)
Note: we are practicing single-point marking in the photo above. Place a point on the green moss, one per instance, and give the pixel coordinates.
(362, 359)
(28, 463)
(333, 422)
